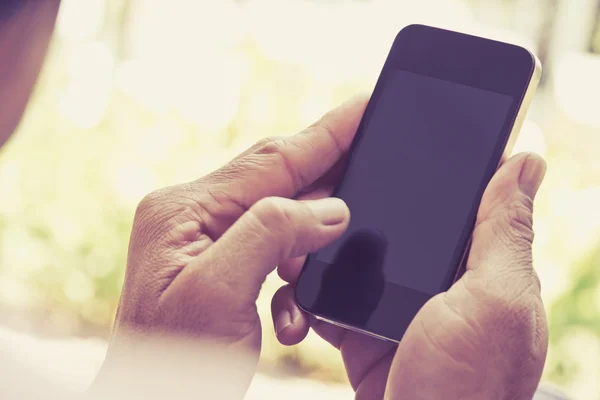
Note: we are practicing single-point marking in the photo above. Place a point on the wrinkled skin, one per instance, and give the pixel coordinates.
(200, 251)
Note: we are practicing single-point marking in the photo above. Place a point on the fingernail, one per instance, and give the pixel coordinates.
(283, 320)
(330, 211)
(532, 174)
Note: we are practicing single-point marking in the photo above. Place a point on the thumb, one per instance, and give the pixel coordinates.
(503, 234)
(272, 230)
(486, 337)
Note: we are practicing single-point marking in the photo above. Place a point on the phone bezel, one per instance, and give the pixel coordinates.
(465, 59)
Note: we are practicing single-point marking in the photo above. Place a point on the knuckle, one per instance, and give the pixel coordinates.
(323, 128)
(276, 147)
(166, 208)
(270, 146)
(257, 145)
(267, 142)
(516, 220)
(272, 214)
(250, 159)
(274, 221)
(153, 199)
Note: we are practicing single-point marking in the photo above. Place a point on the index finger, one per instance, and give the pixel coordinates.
(277, 167)
(283, 166)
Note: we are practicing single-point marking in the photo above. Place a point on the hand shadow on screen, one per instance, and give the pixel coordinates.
(353, 284)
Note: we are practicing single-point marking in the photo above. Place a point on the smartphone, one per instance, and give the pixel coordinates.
(446, 109)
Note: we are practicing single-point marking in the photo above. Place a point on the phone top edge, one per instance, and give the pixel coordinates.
(409, 27)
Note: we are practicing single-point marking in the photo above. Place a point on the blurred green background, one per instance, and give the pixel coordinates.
(140, 94)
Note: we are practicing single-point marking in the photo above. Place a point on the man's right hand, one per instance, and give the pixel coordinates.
(486, 338)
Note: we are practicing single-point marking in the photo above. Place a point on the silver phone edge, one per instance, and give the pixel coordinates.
(355, 329)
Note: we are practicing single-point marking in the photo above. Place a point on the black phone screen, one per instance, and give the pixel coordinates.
(430, 140)
(416, 172)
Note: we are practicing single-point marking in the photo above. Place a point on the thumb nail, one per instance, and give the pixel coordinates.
(532, 174)
(329, 211)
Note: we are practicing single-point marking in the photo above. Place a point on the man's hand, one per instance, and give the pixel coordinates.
(486, 338)
(200, 252)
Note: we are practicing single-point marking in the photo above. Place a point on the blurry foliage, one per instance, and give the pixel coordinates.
(577, 310)
(596, 38)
